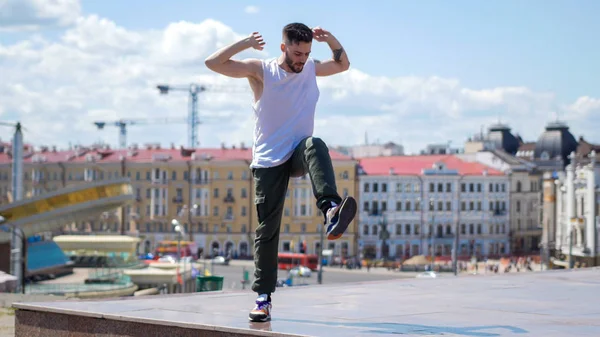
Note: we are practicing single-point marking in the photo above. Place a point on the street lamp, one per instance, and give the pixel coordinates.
(21, 251)
(384, 235)
(431, 208)
(321, 240)
(181, 231)
(181, 214)
(17, 188)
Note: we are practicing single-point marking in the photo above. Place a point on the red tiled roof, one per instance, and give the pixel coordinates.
(144, 155)
(414, 165)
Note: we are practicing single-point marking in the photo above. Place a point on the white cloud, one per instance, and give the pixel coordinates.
(99, 70)
(34, 14)
(251, 9)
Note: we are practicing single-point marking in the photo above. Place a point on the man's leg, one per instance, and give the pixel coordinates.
(270, 187)
(312, 156)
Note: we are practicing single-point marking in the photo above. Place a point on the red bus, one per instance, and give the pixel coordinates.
(288, 261)
(169, 247)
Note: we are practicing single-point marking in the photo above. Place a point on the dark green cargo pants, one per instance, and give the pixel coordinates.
(270, 186)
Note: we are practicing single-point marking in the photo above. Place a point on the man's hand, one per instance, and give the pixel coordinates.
(321, 34)
(339, 61)
(256, 41)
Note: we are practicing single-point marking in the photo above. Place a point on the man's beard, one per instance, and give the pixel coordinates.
(291, 64)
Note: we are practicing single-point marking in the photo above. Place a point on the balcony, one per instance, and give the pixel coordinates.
(178, 199)
(499, 212)
(201, 181)
(228, 217)
(159, 181)
(375, 212)
(229, 199)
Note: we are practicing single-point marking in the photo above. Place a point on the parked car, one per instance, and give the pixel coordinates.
(301, 271)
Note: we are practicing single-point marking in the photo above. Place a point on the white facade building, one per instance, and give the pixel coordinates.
(421, 199)
(525, 196)
(577, 212)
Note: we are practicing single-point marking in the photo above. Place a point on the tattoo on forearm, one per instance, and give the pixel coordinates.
(337, 55)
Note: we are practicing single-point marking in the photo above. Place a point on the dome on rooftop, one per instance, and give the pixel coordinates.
(556, 141)
(501, 137)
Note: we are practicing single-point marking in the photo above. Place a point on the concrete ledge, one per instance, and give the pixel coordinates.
(44, 324)
(549, 304)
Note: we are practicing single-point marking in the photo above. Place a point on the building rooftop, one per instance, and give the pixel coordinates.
(416, 165)
(138, 155)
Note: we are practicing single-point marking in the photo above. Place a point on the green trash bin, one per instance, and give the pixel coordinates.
(209, 283)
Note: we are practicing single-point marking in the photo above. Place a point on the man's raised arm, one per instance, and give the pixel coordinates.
(339, 61)
(221, 62)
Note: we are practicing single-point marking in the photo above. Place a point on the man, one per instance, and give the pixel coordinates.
(285, 96)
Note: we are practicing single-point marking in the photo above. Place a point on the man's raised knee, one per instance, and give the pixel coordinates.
(317, 143)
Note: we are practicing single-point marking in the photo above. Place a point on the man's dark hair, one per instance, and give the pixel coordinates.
(296, 33)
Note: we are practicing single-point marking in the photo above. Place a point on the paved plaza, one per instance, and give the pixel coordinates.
(553, 303)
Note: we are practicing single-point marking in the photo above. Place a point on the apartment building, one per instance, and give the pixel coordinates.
(525, 197)
(411, 205)
(209, 191)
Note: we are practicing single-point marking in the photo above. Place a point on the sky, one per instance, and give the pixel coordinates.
(421, 72)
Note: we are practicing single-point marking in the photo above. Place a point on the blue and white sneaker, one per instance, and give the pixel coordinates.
(339, 217)
(262, 309)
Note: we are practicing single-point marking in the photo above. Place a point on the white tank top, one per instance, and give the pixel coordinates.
(284, 114)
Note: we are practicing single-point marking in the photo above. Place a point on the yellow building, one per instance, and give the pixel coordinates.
(209, 191)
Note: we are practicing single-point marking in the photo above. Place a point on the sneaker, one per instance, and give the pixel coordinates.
(339, 217)
(262, 310)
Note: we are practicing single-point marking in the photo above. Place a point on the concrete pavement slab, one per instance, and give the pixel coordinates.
(551, 303)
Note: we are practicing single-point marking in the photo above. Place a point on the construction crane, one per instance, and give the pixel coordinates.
(194, 89)
(122, 125)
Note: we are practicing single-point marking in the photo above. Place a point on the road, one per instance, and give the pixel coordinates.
(233, 275)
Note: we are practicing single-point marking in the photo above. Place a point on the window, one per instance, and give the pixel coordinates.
(399, 187)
